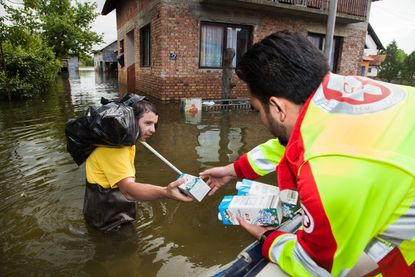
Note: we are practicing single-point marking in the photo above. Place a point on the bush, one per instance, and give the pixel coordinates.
(27, 69)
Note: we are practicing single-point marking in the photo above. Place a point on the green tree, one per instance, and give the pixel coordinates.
(87, 61)
(67, 28)
(37, 35)
(64, 26)
(391, 67)
(408, 69)
(28, 65)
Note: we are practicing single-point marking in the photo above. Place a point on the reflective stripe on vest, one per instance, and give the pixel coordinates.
(300, 255)
(265, 157)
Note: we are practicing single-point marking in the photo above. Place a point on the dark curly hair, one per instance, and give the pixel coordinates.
(284, 64)
(142, 107)
(139, 103)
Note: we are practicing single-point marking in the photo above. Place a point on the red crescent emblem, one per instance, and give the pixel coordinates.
(306, 221)
(368, 96)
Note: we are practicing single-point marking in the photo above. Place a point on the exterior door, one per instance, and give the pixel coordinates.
(130, 61)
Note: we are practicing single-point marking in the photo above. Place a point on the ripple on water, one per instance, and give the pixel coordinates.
(41, 192)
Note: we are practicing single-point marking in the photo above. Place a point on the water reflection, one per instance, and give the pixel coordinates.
(208, 149)
(193, 118)
(41, 190)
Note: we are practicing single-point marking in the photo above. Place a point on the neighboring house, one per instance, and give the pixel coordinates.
(174, 48)
(70, 65)
(105, 60)
(371, 60)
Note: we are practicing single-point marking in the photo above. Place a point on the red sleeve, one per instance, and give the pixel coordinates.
(244, 169)
(268, 242)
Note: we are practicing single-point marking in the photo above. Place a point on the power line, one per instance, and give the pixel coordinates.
(401, 15)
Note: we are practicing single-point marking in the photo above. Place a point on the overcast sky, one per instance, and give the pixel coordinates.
(394, 20)
(105, 25)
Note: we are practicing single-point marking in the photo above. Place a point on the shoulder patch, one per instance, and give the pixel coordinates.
(356, 95)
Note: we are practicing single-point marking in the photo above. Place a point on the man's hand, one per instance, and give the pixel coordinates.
(254, 230)
(173, 192)
(218, 177)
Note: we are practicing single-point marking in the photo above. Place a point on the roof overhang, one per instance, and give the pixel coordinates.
(109, 6)
(374, 37)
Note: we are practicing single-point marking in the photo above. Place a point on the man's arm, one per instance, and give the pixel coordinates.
(260, 161)
(346, 203)
(143, 192)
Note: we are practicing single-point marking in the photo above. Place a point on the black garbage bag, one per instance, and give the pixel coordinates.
(112, 124)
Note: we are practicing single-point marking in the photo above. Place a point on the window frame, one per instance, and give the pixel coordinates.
(224, 39)
(337, 40)
(145, 48)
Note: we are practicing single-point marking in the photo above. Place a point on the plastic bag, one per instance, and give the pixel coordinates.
(112, 124)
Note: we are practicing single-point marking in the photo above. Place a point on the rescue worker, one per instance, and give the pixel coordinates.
(347, 145)
(111, 187)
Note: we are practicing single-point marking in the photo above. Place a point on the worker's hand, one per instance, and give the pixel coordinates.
(173, 191)
(218, 177)
(254, 230)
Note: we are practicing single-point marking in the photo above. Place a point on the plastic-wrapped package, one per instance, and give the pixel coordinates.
(112, 124)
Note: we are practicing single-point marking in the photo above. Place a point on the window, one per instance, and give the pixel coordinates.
(318, 41)
(145, 46)
(363, 71)
(215, 38)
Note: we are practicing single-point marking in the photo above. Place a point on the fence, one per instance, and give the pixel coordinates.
(226, 104)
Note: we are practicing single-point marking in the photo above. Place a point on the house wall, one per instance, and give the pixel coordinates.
(97, 60)
(126, 14)
(175, 28)
(109, 53)
(73, 63)
(372, 71)
(372, 48)
(106, 59)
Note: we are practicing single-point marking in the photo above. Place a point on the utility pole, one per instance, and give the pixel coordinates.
(331, 22)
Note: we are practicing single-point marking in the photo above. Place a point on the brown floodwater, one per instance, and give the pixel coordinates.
(42, 230)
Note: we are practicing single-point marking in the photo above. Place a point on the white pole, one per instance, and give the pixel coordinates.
(160, 156)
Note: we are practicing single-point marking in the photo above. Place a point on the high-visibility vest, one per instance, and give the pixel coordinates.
(351, 156)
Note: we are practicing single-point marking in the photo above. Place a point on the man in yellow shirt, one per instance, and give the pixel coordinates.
(111, 187)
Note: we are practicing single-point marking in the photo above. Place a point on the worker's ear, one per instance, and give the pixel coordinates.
(280, 107)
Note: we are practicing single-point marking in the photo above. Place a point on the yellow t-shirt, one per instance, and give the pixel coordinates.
(106, 166)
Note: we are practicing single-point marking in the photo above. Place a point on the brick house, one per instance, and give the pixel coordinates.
(371, 59)
(174, 48)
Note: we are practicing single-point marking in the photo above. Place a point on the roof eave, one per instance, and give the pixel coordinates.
(372, 33)
(109, 6)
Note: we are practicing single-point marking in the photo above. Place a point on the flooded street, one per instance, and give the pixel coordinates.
(43, 232)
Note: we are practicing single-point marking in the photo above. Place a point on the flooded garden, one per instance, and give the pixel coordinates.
(43, 232)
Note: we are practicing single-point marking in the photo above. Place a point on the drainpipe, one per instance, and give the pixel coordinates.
(331, 22)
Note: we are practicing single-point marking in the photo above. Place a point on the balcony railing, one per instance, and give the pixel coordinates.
(351, 7)
(348, 11)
